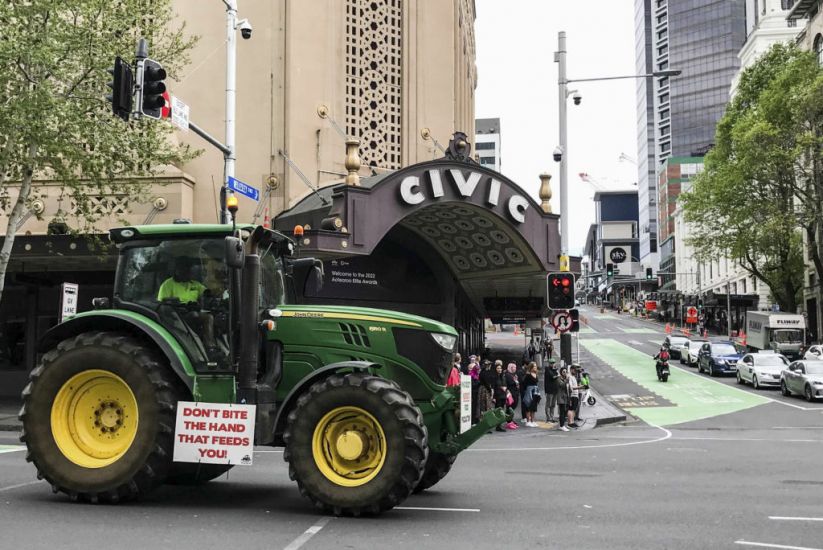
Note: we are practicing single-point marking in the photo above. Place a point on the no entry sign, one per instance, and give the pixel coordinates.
(691, 314)
(214, 433)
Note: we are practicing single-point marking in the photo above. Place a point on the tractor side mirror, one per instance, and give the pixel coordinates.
(234, 252)
(305, 269)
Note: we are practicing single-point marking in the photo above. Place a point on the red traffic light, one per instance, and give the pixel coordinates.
(566, 282)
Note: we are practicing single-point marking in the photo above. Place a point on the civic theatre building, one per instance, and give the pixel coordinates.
(447, 239)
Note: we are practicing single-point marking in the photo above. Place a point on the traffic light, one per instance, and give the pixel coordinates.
(609, 270)
(152, 89)
(575, 317)
(121, 85)
(561, 290)
(649, 274)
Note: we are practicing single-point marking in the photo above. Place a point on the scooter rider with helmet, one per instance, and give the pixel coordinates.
(661, 358)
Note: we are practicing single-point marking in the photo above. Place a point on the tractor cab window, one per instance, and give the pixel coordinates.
(272, 281)
(184, 283)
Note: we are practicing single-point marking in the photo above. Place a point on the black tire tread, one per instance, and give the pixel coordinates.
(404, 410)
(437, 466)
(160, 375)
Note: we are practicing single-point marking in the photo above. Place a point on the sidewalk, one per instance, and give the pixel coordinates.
(9, 407)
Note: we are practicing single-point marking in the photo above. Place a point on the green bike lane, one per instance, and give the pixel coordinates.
(693, 397)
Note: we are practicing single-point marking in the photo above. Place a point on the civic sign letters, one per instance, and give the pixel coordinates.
(412, 190)
(214, 433)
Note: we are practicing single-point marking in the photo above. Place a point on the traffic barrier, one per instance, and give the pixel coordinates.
(668, 328)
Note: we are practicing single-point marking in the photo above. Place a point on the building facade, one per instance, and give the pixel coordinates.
(701, 38)
(808, 14)
(614, 239)
(487, 142)
(312, 75)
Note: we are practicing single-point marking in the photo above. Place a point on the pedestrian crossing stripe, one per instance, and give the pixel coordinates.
(11, 448)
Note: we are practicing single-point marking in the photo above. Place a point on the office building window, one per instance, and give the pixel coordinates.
(484, 145)
(487, 160)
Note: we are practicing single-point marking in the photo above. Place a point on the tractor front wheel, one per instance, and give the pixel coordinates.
(437, 466)
(98, 417)
(356, 444)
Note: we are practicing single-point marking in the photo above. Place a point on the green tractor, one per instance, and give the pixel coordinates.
(211, 313)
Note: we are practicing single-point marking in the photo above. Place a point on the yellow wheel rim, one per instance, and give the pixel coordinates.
(94, 418)
(349, 446)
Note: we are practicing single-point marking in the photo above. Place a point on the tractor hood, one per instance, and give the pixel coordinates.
(367, 314)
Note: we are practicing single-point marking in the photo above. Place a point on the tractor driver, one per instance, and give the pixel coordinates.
(183, 287)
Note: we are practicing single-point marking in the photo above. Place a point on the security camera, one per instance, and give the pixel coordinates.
(245, 29)
(558, 154)
(577, 98)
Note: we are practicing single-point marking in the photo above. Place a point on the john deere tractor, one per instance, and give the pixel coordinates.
(211, 313)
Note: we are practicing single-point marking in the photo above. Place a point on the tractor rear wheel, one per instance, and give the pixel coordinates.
(356, 444)
(437, 466)
(98, 417)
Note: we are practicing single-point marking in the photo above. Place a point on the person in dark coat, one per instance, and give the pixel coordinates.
(500, 390)
(485, 392)
(513, 383)
(550, 377)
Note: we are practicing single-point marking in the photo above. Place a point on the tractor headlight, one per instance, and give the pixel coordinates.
(446, 341)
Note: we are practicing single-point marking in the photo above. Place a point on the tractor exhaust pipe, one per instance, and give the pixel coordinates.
(249, 334)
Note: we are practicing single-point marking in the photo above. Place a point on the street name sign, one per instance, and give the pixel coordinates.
(244, 189)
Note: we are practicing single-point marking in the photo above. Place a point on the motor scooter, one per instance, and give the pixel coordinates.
(662, 367)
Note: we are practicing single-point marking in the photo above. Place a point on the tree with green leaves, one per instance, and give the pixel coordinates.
(57, 128)
(760, 191)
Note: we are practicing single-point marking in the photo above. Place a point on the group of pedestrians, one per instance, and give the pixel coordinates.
(510, 387)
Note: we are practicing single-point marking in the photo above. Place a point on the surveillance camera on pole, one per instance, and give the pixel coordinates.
(245, 29)
(577, 98)
(557, 154)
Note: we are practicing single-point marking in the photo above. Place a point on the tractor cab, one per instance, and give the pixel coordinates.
(180, 276)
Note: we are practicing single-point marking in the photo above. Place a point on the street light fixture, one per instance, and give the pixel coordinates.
(563, 82)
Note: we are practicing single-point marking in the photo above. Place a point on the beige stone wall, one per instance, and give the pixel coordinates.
(297, 60)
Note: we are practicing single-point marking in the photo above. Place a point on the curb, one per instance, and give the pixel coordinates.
(619, 415)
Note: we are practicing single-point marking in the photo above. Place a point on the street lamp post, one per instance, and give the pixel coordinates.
(563, 85)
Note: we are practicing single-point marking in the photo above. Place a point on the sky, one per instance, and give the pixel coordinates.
(517, 82)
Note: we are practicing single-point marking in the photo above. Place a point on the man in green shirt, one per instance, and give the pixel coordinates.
(181, 286)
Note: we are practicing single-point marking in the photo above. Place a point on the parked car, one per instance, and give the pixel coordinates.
(676, 345)
(804, 377)
(761, 369)
(718, 358)
(814, 353)
(693, 350)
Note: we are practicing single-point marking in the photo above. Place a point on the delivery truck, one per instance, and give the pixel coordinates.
(779, 332)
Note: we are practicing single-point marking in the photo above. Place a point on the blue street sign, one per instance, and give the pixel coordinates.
(244, 189)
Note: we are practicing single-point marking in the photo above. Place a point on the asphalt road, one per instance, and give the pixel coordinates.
(717, 481)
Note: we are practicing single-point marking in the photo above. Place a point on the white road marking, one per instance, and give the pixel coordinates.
(768, 545)
(308, 533)
(437, 509)
(789, 518)
(608, 445)
(12, 449)
(747, 439)
(635, 343)
(797, 427)
(19, 485)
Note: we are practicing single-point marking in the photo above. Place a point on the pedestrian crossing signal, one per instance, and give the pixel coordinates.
(575, 317)
(561, 290)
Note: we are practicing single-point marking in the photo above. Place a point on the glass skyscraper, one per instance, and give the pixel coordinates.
(701, 38)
